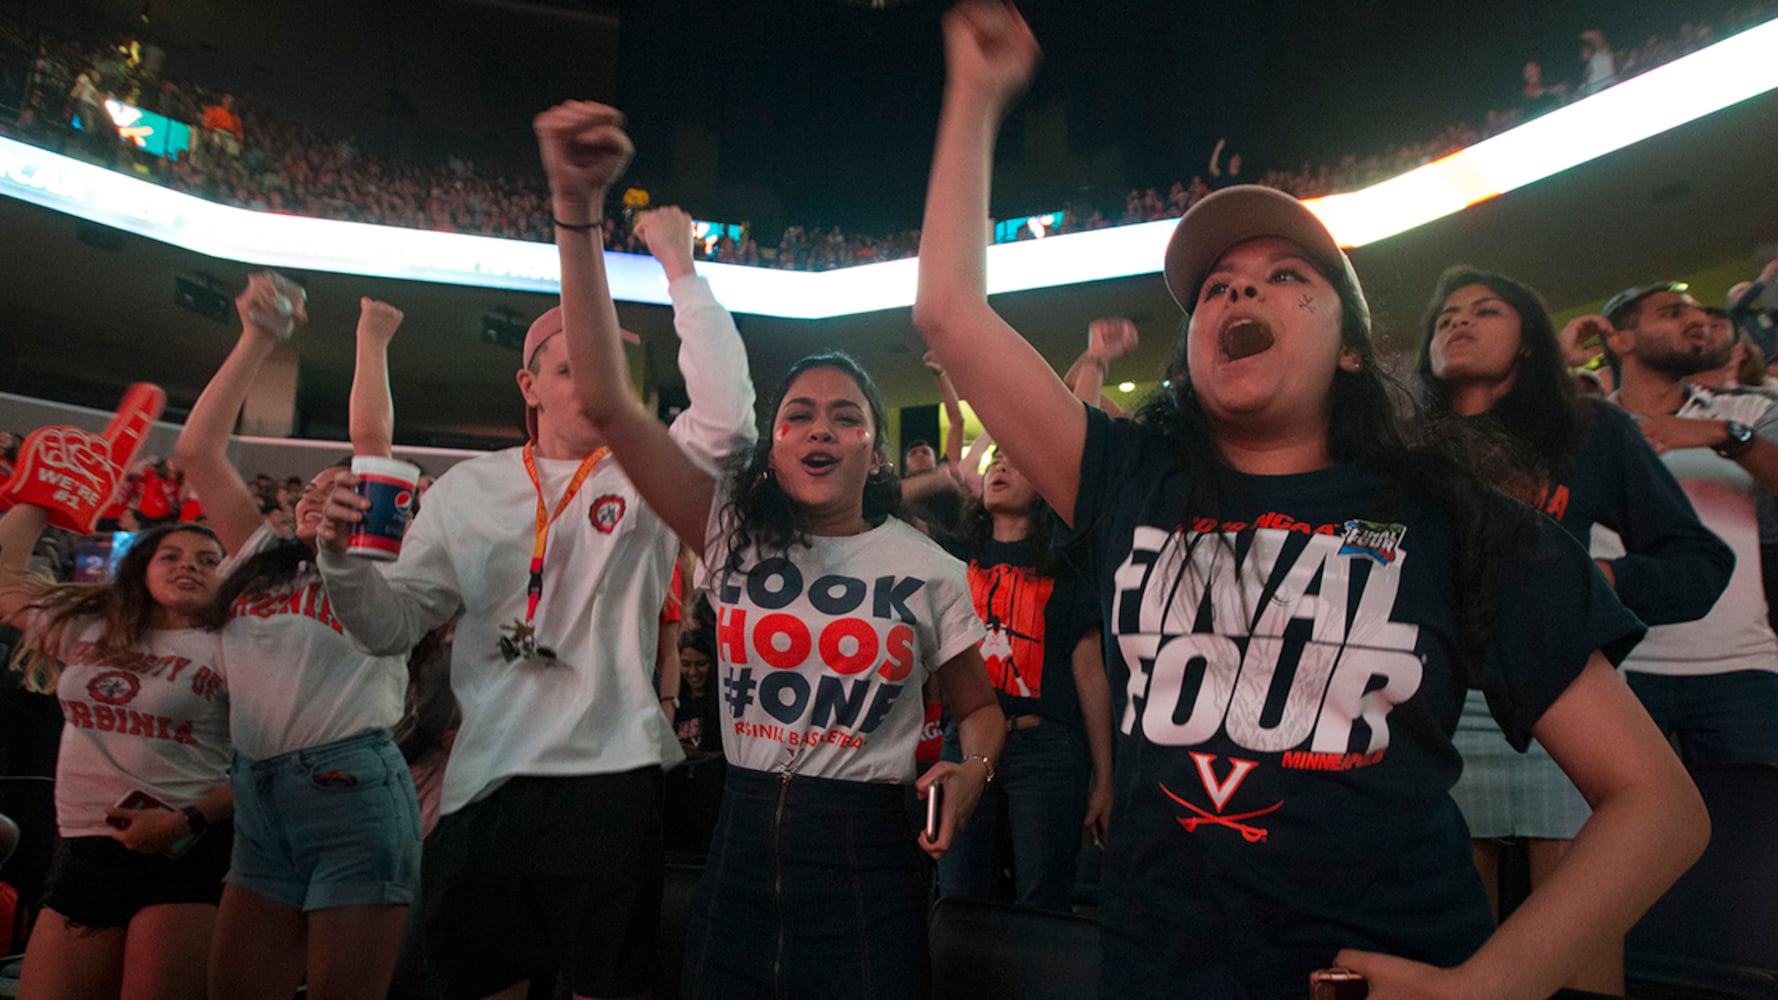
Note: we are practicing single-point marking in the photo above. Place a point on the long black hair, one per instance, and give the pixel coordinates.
(1372, 423)
(1539, 416)
(978, 529)
(123, 608)
(759, 514)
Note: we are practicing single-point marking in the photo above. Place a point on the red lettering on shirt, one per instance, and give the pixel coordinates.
(731, 634)
(309, 600)
(795, 634)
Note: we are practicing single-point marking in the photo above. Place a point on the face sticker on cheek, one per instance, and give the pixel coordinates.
(783, 432)
(1306, 303)
(863, 436)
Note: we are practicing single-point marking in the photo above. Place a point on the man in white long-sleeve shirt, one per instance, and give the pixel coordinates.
(548, 853)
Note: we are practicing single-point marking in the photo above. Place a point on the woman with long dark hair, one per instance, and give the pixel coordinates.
(142, 795)
(1295, 600)
(831, 612)
(327, 849)
(1043, 658)
(1491, 373)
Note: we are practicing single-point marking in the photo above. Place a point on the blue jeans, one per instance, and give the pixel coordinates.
(1727, 718)
(1036, 802)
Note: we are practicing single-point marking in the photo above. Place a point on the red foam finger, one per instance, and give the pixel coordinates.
(136, 413)
(73, 474)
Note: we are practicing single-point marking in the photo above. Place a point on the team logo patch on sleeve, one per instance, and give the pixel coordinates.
(115, 687)
(605, 512)
(1370, 538)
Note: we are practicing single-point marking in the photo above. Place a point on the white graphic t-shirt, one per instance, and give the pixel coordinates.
(1735, 635)
(823, 649)
(157, 724)
(299, 680)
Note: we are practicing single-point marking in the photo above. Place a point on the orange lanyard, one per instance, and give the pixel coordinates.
(534, 590)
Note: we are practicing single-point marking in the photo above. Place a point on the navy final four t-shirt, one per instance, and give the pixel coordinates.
(1285, 679)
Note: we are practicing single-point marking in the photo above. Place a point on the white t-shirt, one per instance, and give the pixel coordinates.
(296, 678)
(156, 724)
(1735, 635)
(824, 649)
(593, 709)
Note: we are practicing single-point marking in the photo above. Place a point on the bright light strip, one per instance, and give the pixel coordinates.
(1685, 90)
(1664, 98)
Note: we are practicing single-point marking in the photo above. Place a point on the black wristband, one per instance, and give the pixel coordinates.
(195, 820)
(577, 227)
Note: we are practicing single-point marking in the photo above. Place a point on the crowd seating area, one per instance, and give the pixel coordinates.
(274, 164)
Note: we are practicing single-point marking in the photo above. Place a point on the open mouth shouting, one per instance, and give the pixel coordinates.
(819, 463)
(1245, 336)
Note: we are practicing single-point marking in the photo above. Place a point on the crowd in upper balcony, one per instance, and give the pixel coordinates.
(248, 153)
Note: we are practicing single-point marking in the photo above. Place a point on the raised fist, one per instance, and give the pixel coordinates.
(584, 151)
(1582, 339)
(668, 232)
(1110, 338)
(989, 49)
(73, 474)
(377, 321)
(272, 304)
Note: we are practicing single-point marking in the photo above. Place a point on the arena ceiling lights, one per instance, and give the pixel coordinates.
(1728, 72)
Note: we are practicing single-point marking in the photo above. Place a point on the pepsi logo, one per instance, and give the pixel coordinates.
(114, 687)
(404, 498)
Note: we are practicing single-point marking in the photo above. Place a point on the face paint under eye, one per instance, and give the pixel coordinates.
(1306, 303)
(783, 431)
(863, 436)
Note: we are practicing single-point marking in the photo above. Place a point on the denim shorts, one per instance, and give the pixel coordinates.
(332, 825)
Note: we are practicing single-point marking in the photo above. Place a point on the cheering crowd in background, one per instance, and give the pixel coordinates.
(250, 153)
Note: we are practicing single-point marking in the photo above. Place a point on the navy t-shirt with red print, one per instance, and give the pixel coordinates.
(1284, 680)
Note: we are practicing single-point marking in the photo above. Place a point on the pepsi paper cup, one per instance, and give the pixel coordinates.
(388, 484)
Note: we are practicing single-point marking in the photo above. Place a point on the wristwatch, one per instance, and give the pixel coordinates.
(1739, 438)
(195, 821)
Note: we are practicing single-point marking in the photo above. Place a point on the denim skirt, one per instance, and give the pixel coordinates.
(814, 888)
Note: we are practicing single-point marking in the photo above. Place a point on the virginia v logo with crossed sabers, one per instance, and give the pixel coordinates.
(1280, 642)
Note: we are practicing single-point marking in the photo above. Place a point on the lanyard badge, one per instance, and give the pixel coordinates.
(520, 638)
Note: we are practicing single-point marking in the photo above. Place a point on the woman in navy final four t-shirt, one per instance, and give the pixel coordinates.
(1295, 602)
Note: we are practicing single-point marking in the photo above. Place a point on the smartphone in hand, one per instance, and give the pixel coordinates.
(1338, 984)
(935, 794)
(139, 799)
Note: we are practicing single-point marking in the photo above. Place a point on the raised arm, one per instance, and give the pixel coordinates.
(268, 315)
(947, 395)
(20, 528)
(969, 473)
(371, 419)
(1107, 340)
(584, 150)
(720, 421)
(989, 56)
